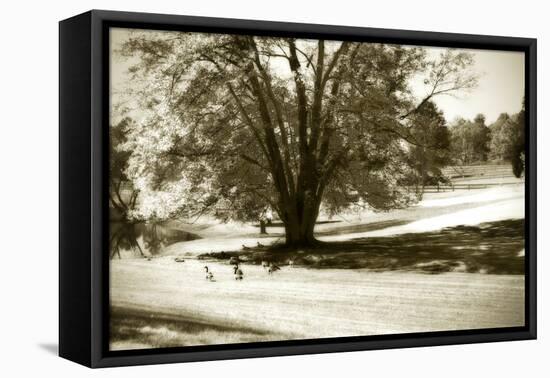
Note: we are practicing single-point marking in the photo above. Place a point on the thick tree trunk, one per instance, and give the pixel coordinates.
(300, 224)
(300, 235)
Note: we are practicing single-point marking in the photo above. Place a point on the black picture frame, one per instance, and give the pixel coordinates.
(83, 166)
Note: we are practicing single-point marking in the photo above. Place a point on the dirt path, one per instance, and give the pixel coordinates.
(303, 303)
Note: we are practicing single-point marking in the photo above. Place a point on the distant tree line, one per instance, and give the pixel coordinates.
(473, 141)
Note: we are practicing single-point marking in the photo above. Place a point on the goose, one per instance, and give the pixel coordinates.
(273, 268)
(238, 273)
(260, 245)
(209, 274)
(245, 247)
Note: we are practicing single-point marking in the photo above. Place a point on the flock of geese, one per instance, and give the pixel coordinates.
(238, 273)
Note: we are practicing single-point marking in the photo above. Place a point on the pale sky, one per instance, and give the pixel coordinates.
(500, 88)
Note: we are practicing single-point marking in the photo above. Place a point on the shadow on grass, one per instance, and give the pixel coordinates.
(486, 248)
(374, 226)
(281, 224)
(131, 328)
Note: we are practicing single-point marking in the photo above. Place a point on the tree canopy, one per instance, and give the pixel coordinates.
(122, 195)
(243, 123)
(432, 150)
(508, 140)
(470, 140)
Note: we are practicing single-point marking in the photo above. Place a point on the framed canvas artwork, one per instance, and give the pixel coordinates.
(234, 188)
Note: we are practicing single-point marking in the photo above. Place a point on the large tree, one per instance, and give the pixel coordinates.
(243, 123)
(470, 140)
(483, 137)
(508, 140)
(122, 194)
(432, 150)
(500, 134)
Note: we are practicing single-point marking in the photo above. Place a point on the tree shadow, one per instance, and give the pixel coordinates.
(158, 330)
(486, 248)
(366, 227)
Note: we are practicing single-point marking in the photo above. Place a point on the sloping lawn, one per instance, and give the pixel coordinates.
(486, 248)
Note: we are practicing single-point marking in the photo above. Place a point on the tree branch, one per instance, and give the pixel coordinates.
(278, 114)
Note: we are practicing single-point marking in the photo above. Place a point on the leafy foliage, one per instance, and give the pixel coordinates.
(244, 123)
(431, 151)
(508, 140)
(122, 194)
(470, 140)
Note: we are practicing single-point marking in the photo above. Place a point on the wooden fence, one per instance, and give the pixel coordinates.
(453, 187)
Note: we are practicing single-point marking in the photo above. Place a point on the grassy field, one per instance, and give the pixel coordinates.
(435, 212)
(161, 303)
(454, 261)
(139, 328)
(486, 248)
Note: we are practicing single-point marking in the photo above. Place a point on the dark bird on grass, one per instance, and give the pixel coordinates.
(260, 245)
(245, 247)
(209, 274)
(238, 273)
(273, 268)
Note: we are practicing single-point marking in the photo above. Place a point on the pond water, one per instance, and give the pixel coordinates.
(141, 239)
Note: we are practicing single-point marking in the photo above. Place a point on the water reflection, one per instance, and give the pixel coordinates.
(143, 239)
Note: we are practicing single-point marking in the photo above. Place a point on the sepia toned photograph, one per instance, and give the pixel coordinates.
(275, 188)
